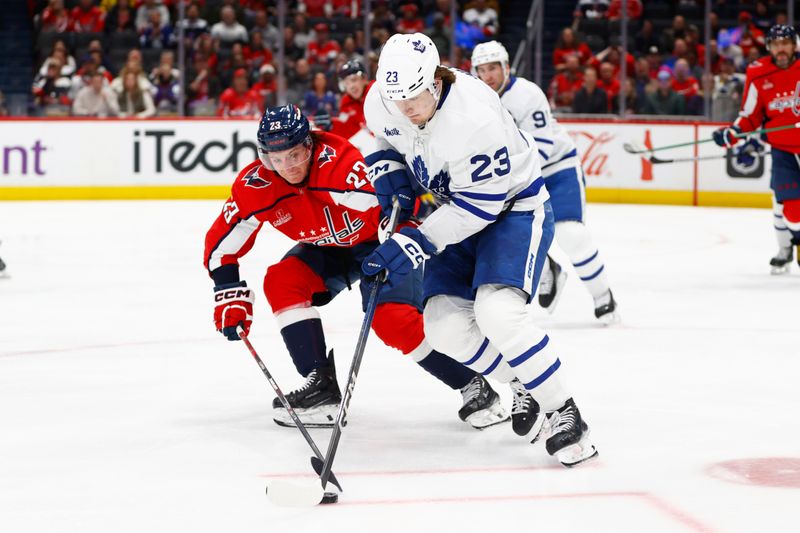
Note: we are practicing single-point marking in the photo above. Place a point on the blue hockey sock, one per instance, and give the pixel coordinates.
(447, 370)
(306, 344)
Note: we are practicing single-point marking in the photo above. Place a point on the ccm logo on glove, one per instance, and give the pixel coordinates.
(234, 308)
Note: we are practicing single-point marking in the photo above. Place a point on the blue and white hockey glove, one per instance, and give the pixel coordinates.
(746, 153)
(389, 178)
(399, 255)
(726, 137)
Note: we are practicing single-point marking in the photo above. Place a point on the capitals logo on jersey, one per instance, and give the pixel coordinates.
(347, 236)
(254, 180)
(326, 156)
(438, 185)
(786, 101)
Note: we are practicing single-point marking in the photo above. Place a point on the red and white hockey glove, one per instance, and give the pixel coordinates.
(233, 307)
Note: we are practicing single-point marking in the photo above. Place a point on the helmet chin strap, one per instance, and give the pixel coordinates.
(506, 78)
(436, 92)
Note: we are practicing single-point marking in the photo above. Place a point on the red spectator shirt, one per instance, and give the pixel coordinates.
(54, 21)
(688, 87)
(410, 26)
(630, 63)
(322, 53)
(755, 38)
(315, 8)
(772, 98)
(612, 89)
(615, 9)
(336, 206)
(562, 89)
(583, 53)
(256, 58)
(91, 21)
(351, 115)
(233, 104)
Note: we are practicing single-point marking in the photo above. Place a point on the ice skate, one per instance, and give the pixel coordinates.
(526, 418)
(605, 308)
(482, 407)
(569, 436)
(316, 403)
(553, 280)
(780, 263)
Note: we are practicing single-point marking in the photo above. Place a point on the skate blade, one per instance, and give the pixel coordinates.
(780, 270)
(313, 417)
(610, 319)
(578, 453)
(285, 493)
(491, 416)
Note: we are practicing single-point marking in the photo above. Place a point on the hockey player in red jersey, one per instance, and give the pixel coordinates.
(312, 186)
(771, 99)
(350, 123)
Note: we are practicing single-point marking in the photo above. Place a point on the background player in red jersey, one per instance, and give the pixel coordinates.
(313, 187)
(771, 99)
(350, 123)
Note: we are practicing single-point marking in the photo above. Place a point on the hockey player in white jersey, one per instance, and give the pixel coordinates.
(485, 247)
(563, 175)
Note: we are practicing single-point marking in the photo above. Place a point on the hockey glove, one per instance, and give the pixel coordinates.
(390, 178)
(747, 153)
(234, 307)
(726, 137)
(399, 255)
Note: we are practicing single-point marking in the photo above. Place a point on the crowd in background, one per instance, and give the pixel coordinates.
(118, 57)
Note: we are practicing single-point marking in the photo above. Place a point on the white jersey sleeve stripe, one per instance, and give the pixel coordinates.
(233, 241)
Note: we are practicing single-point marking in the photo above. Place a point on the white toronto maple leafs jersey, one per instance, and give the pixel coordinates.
(470, 155)
(531, 111)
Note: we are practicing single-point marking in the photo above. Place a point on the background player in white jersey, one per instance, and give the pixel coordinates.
(563, 175)
(486, 245)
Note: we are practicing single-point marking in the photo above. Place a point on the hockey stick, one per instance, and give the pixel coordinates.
(657, 161)
(270, 489)
(634, 148)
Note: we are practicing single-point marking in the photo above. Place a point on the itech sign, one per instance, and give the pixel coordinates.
(22, 160)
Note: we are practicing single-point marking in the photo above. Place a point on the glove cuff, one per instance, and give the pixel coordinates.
(427, 246)
(224, 286)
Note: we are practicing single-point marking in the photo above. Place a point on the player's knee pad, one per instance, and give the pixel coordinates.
(400, 326)
(450, 326)
(291, 283)
(791, 214)
(574, 238)
(501, 313)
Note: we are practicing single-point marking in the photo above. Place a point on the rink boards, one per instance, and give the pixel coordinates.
(185, 159)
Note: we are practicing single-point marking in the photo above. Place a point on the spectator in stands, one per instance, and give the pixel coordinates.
(590, 98)
(156, 34)
(687, 86)
(634, 9)
(256, 53)
(132, 100)
(762, 19)
(120, 19)
(569, 44)
(51, 90)
(410, 22)
(747, 35)
(439, 34)
(291, 51)
(643, 79)
(679, 50)
(266, 87)
(299, 81)
(143, 13)
(654, 60)
(677, 31)
(727, 93)
(323, 50)
(96, 99)
(86, 18)
(132, 65)
(193, 26)
(694, 44)
(566, 83)
(167, 59)
(382, 17)
(663, 101)
(62, 55)
(303, 35)
(315, 8)
(203, 88)
(715, 27)
(55, 17)
(482, 16)
(607, 80)
(645, 38)
(213, 10)
(728, 50)
(613, 54)
(228, 68)
(270, 35)
(319, 99)
(228, 30)
(238, 100)
(207, 46)
(631, 97)
(781, 18)
(167, 86)
(83, 77)
(350, 50)
(591, 9)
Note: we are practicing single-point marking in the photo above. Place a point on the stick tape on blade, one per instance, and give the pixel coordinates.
(288, 494)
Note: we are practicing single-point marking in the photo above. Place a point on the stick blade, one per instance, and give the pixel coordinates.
(318, 465)
(285, 493)
(633, 147)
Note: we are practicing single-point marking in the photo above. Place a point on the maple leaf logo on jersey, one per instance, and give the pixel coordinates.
(255, 181)
(326, 156)
(418, 46)
(438, 185)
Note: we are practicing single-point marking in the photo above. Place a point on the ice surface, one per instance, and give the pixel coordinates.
(122, 410)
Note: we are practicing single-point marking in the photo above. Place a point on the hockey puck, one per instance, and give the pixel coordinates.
(329, 497)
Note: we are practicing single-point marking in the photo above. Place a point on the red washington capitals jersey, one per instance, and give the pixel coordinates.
(336, 206)
(772, 98)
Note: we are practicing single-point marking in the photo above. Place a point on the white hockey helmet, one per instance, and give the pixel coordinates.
(406, 66)
(489, 52)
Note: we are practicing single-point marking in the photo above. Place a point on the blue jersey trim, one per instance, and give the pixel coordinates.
(531, 190)
(523, 138)
(511, 81)
(445, 92)
(480, 213)
(587, 278)
(545, 141)
(482, 195)
(586, 260)
(546, 374)
(479, 353)
(533, 350)
(572, 153)
(493, 366)
(384, 155)
(544, 155)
